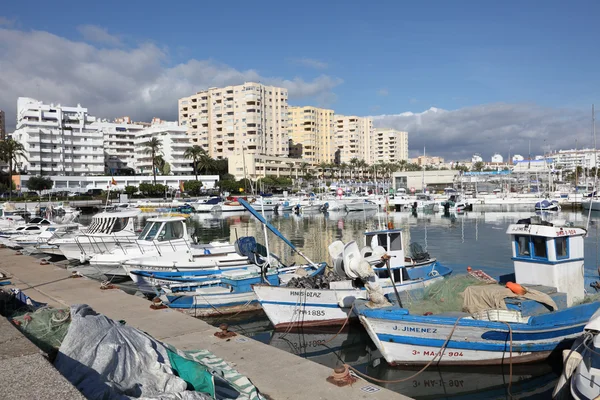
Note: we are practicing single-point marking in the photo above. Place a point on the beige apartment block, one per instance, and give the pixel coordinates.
(313, 129)
(353, 138)
(255, 166)
(250, 118)
(389, 145)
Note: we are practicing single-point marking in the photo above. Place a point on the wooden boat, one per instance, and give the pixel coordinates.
(517, 328)
(289, 307)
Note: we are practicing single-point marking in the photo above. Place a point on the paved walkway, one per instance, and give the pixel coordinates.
(276, 373)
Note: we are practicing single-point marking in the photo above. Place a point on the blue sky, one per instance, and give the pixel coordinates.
(370, 58)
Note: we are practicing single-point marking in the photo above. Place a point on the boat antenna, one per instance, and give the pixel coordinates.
(587, 226)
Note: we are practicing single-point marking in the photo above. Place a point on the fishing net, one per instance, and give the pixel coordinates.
(443, 296)
(46, 327)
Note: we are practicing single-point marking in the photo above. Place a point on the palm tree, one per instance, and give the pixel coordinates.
(362, 165)
(206, 163)
(402, 164)
(343, 167)
(304, 168)
(323, 167)
(194, 153)
(153, 147)
(10, 152)
(353, 165)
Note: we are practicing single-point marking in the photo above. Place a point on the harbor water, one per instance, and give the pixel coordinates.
(475, 239)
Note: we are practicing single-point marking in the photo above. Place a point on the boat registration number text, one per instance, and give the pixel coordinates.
(437, 353)
(304, 294)
(414, 329)
(314, 313)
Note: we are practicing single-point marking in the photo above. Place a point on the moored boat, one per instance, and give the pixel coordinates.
(497, 324)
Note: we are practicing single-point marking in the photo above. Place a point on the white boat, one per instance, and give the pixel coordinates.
(266, 204)
(425, 202)
(106, 231)
(227, 206)
(291, 307)
(581, 377)
(163, 238)
(456, 203)
(34, 226)
(206, 205)
(365, 205)
(539, 315)
(547, 205)
(592, 202)
(36, 241)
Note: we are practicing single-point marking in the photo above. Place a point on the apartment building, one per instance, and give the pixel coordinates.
(2, 125)
(352, 138)
(389, 145)
(174, 142)
(250, 118)
(255, 166)
(119, 144)
(58, 140)
(312, 129)
(569, 160)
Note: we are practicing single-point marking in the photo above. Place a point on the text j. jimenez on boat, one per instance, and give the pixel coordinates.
(330, 303)
(522, 317)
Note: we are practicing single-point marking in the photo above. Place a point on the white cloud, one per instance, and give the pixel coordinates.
(383, 92)
(310, 63)
(113, 81)
(491, 128)
(99, 35)
(6, 22)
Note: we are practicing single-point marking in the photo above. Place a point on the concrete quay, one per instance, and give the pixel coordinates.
(277, 374)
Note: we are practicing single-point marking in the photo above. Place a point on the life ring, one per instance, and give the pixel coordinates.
(433, 273)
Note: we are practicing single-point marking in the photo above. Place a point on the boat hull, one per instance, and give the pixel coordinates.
(209, 305)
(289, 307)
(405, 339)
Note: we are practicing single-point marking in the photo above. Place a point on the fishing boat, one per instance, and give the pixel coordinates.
(107, 231)
(425, 202)
(231, 291)
(206, 205)
(365, 205)
(290, 307)
(266, 204)
(538, 311)
(547, 205)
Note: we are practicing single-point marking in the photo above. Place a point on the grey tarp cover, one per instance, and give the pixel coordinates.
(109, 361)
(486, 297)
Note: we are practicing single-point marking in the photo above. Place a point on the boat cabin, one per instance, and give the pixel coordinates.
(113, 222)
(549, 254)
(211, 201)
(386, 242)
(164, 229)
(424, 197)
(39, 221)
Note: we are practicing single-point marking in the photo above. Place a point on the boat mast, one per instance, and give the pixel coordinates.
(595, 169)
(423, 172)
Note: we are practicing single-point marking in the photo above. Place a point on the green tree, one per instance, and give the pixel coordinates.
(153, 147)
(166, 168)
(478, 166)
(193, 187)
(10, 152)
(152, 190)
(39, 183)
(460, 167)
(131, 190)
(195, 153)
(353, 166)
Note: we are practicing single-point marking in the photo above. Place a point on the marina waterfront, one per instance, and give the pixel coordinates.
(475, 239)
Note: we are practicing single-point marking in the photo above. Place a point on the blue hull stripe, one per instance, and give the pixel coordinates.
(213, 306)
(531, 336)
(285, 303)
(500, 347)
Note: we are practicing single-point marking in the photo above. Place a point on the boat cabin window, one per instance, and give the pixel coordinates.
(562, 249)
(171, 230)
(539, 247)
(396, 241)
(32, 228)
(120, 224)
(523, 246)
(531, 246)
(150, 230)
(382, 241)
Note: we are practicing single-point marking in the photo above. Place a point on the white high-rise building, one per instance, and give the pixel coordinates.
(250, 118)
(353, 136)
(119, 144)
(497, 158)
(174, 142)
(389, 145)
(58, 140)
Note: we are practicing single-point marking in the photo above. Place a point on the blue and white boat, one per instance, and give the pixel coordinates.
(290, 307)
(206, 205)
(547, 205)
(230, 292)
(501, 326)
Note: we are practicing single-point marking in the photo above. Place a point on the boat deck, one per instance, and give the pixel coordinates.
(276, 373)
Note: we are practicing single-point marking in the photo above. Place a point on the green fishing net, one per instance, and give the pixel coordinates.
(442, 296)
(46, 327)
